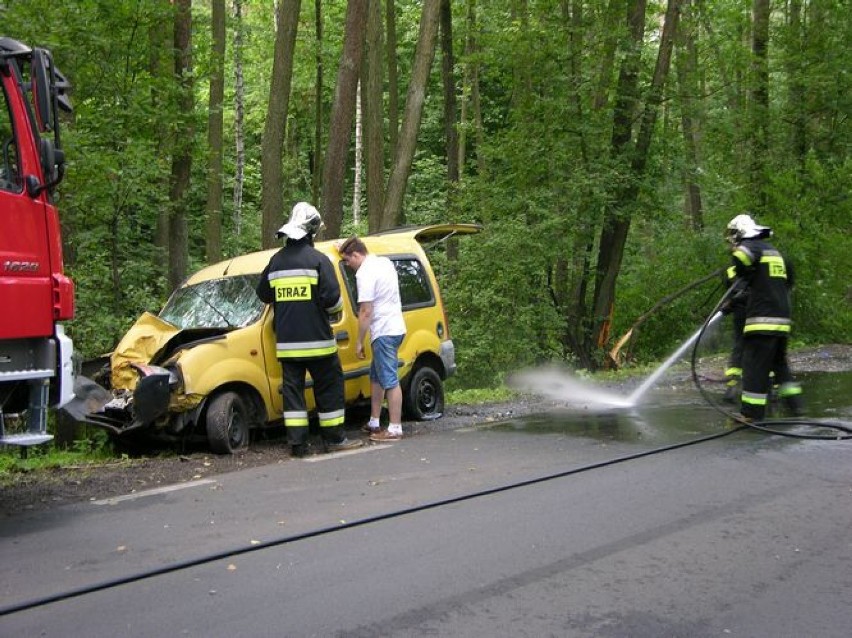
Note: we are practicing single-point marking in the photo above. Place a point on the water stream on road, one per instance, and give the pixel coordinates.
(561, 385)
(666, 418)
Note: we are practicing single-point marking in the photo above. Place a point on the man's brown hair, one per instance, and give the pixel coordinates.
(353, 245)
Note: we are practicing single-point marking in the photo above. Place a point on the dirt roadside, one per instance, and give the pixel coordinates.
(46, 489)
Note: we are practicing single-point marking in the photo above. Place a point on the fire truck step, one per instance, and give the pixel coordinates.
(16, 375)
(25, 439)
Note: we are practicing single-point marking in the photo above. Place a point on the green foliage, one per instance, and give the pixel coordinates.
(546, 107)
(811, 229)
(500, 314)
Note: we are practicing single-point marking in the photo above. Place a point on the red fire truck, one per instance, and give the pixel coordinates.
(36, 370)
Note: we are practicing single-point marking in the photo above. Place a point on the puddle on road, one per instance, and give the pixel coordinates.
(828, 396)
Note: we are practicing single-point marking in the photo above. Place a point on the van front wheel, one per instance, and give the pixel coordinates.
(424, 395)
(227, 423)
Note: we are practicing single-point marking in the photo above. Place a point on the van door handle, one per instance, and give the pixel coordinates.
(343, 335)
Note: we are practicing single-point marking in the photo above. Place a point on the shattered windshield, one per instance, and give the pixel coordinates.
(230, 302)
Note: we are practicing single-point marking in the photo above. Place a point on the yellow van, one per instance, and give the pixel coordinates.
(206, 363)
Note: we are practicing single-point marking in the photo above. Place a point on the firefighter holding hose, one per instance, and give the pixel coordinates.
(768, 278)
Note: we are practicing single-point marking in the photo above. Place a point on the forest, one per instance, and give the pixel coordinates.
(602, 144)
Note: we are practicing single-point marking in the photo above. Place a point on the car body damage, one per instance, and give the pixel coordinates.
(206, 364)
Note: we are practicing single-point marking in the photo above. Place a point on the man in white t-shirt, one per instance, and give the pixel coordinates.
(380, 313)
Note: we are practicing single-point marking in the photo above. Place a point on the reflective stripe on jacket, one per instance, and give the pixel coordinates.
(769, 279)
(301, 284)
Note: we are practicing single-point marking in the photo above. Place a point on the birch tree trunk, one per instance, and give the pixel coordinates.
(373, 117)
(215, 125)
(448, 64)
(359, 154)
(342, 113)
(161, 66)
(239, 117)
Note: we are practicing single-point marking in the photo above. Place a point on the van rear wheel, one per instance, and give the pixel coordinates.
(424, 395)
(227, 423)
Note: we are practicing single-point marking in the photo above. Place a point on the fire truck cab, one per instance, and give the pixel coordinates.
(36, 370)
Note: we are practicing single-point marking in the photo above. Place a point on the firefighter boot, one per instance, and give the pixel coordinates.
(791, 396)
(732, 391)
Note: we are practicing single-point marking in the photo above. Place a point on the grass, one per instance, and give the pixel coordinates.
(473, 396)
(15, 461)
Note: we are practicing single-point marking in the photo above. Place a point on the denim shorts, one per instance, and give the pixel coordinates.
(383, 369)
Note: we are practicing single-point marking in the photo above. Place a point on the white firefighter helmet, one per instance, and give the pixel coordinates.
(304, 220)
(744, 227)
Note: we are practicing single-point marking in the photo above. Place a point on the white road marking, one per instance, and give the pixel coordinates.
(159, 490)
(315, 458)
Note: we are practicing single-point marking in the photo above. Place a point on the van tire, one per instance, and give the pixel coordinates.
(227, 423)
(423, 398)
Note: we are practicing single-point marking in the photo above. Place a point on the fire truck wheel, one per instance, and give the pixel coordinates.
(227, 423)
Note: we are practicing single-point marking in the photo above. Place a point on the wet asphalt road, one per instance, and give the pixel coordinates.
(743, 535)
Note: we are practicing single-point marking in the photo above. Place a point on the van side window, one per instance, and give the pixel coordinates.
(415, 291)
(414, 288)
(10, 175)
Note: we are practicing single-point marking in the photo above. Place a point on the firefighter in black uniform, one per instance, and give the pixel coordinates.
(300, 282)
(768, 277)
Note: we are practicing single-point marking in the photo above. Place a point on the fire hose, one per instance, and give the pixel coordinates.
(770, 426)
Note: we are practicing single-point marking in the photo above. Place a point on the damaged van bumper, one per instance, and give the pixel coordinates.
(151, 404)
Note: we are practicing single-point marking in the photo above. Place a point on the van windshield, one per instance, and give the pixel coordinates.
(230, 302)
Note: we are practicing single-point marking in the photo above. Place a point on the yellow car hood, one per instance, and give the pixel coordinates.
(145, 339)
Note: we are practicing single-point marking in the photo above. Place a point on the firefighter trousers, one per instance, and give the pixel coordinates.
(763, 354)
(327, 376)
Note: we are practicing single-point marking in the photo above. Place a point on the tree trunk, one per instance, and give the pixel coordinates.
(614, 229)
(521, 76)
(759, 107)
(451, 134)
(359, 154)
(448, 65)
(470, 107)
(215, 127)
(182, 157)
(393, 78)
(239, 116)
(342, 112)
(423, 56)
(796, 75)
(617, 217)
(570, 272)
(158, 43)
(373, 116)
(316, 167)
(272, 145)
(690, 122)
(607, 60)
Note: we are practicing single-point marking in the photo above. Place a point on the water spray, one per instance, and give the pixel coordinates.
(557, 384)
